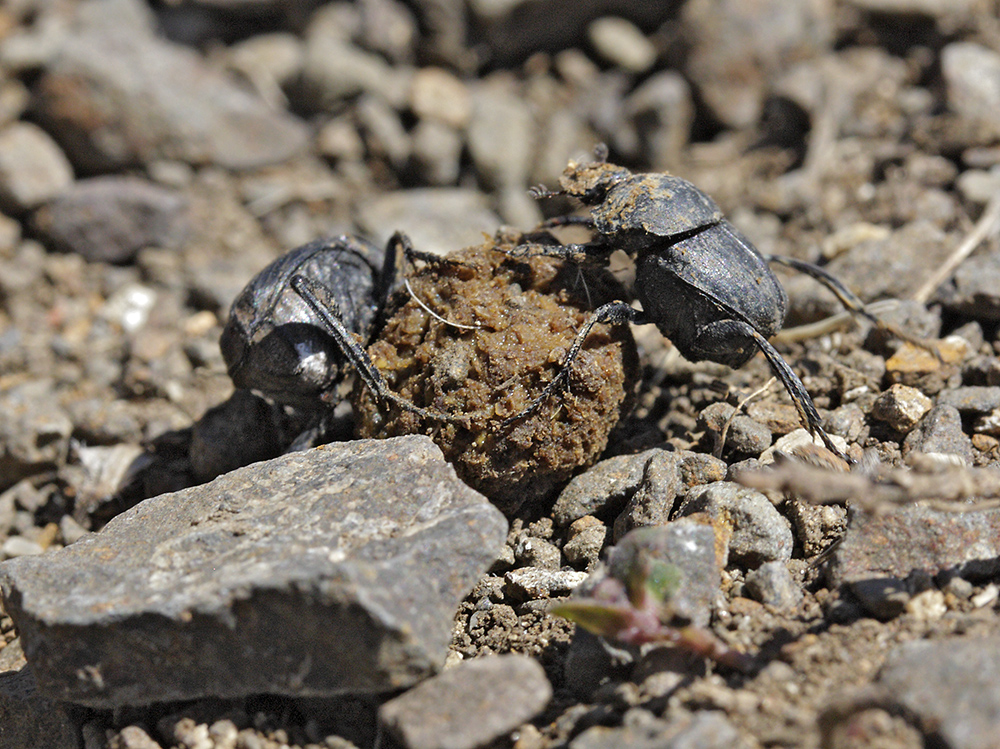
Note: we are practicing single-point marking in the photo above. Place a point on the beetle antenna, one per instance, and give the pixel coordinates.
(541, 191)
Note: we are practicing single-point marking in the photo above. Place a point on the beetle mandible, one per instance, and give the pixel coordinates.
(698, 278)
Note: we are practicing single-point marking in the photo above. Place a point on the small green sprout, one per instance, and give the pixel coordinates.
(637, 611)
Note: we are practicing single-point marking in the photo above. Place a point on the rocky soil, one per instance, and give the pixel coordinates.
(179, 573)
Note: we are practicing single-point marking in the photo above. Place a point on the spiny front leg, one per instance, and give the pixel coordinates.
(319, 298)
(612, 313)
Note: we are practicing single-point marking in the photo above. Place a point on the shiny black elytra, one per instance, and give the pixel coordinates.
(698, 278)
(300, 321)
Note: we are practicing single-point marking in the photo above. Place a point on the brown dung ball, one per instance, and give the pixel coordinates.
(519, 317)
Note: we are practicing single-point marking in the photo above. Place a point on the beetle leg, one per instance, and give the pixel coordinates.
(572, 219)
(318, 297)
(799, 395)
(541, 191)
(612, 313)
(850, 300)
(390, 266)
(401, 242)
(577, 253)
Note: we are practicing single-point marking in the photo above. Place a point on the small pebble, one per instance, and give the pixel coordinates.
(619, 42)
(537, 552)
(584, 540)
(18, 546)
(759, 533)
(437, 94)
(32, 167)
(134, 737)
(469, 706)
(988, 595)
(773, 584)
(901, 407)
(970, 73)
(534, 582)
(959, 587)
(884, 598)
(927, 606)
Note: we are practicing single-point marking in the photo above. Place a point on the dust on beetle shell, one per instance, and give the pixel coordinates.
(527, 312)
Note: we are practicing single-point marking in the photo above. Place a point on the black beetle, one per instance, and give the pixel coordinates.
(298, 322)
(698, 278)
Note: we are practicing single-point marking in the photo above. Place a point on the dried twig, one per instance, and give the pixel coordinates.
(829, 324)
(951, 488)
(988, 223)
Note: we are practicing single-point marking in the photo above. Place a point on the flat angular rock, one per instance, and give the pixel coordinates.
(894, 544)
(321, 572)
(971, 399)
(470, 705)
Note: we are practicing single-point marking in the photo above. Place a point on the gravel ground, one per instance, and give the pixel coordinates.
(155, 156)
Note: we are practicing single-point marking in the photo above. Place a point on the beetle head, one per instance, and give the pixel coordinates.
(591, 182)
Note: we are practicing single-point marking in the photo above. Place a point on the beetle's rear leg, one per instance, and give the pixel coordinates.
(734, 329)
(319, 298)
(852, 303)
(612, 313)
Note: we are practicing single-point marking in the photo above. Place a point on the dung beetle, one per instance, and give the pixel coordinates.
(302, 319)
(698, 278)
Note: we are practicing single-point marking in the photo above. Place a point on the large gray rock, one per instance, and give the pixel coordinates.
(317, 573)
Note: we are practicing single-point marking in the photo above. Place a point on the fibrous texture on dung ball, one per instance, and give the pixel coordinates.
(524, 314)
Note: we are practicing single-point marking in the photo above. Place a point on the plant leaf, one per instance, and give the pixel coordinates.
(596, 617)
